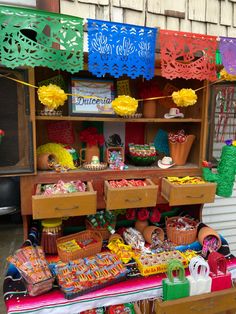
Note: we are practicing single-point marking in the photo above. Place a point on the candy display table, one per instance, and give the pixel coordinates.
(128, 291)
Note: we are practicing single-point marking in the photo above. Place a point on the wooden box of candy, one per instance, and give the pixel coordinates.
(187, 190)
(157, 263)
(114, 153)
(64, 199)
(130, 193)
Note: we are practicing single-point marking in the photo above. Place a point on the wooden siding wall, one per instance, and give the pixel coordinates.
(212, 17)
(221, 215)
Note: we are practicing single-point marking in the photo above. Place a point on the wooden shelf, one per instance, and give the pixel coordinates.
(135, 170)
(112, 119)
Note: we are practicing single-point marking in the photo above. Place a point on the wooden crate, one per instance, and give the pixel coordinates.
(187, 194)
(208, 303)
(64, 205)
(130, 197)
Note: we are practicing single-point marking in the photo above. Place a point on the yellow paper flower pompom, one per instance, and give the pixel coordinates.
(124, 105)
(226, 76)
(52, 96)
(185, 97)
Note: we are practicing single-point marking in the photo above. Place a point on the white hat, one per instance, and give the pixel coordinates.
(165, 163)
(173, 113)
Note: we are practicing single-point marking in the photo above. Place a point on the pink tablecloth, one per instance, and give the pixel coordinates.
(128, 291)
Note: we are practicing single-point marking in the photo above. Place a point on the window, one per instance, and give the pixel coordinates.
(222, 118)
(16, 148)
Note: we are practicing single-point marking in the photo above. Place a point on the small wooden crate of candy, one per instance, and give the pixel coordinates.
(89, 274)
(187, 190)
(130, 193)
(115, 153)
(151, 264)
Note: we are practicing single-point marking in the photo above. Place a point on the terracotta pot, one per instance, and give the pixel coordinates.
(149, 230)
(45, 160)
(90, 151)
(207, 231)
(149, 108)
(140, 225)
(179, 151)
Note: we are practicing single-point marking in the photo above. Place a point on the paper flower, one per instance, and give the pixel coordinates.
(52, 96)
(91, 136)
(226, 76)
(185, 97)
(125, 105)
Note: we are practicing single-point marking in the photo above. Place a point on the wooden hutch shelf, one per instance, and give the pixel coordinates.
(194, 122)
(114, 119)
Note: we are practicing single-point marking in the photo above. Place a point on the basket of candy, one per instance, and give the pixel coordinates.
(142, 155)
(79, 245)
(89, 274)
(181, 230)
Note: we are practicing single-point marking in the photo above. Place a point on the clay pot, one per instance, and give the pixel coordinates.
(149, 108)
(207, 231)
(179, 151)
(140, 225)
(90, 151)
(115, 236)
(149, 230)
(45, 160)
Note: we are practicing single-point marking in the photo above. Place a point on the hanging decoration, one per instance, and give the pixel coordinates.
(227, 48)
(125, 105)
(120, 101)
(187, 55)
(123, 88)
(118, 49)
(39, 38)
(185, 97)
(224, 75)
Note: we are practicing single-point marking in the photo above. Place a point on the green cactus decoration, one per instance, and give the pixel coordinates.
(226, 170)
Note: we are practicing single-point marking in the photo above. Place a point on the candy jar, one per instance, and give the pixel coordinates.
(52, 230)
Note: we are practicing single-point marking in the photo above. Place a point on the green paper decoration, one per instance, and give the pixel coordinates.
(39, 38)
(226, 170)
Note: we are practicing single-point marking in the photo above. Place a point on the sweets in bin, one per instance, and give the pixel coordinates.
(126, 183)
(181, 230)
(150, 264)
(32, 265)
(52, 230)
(142, 155)
(89, 274)
(79, 245)
(62, 187)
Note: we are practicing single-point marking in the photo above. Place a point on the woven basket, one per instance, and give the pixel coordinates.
(104, 231)
(181, 236)
(89, 250)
